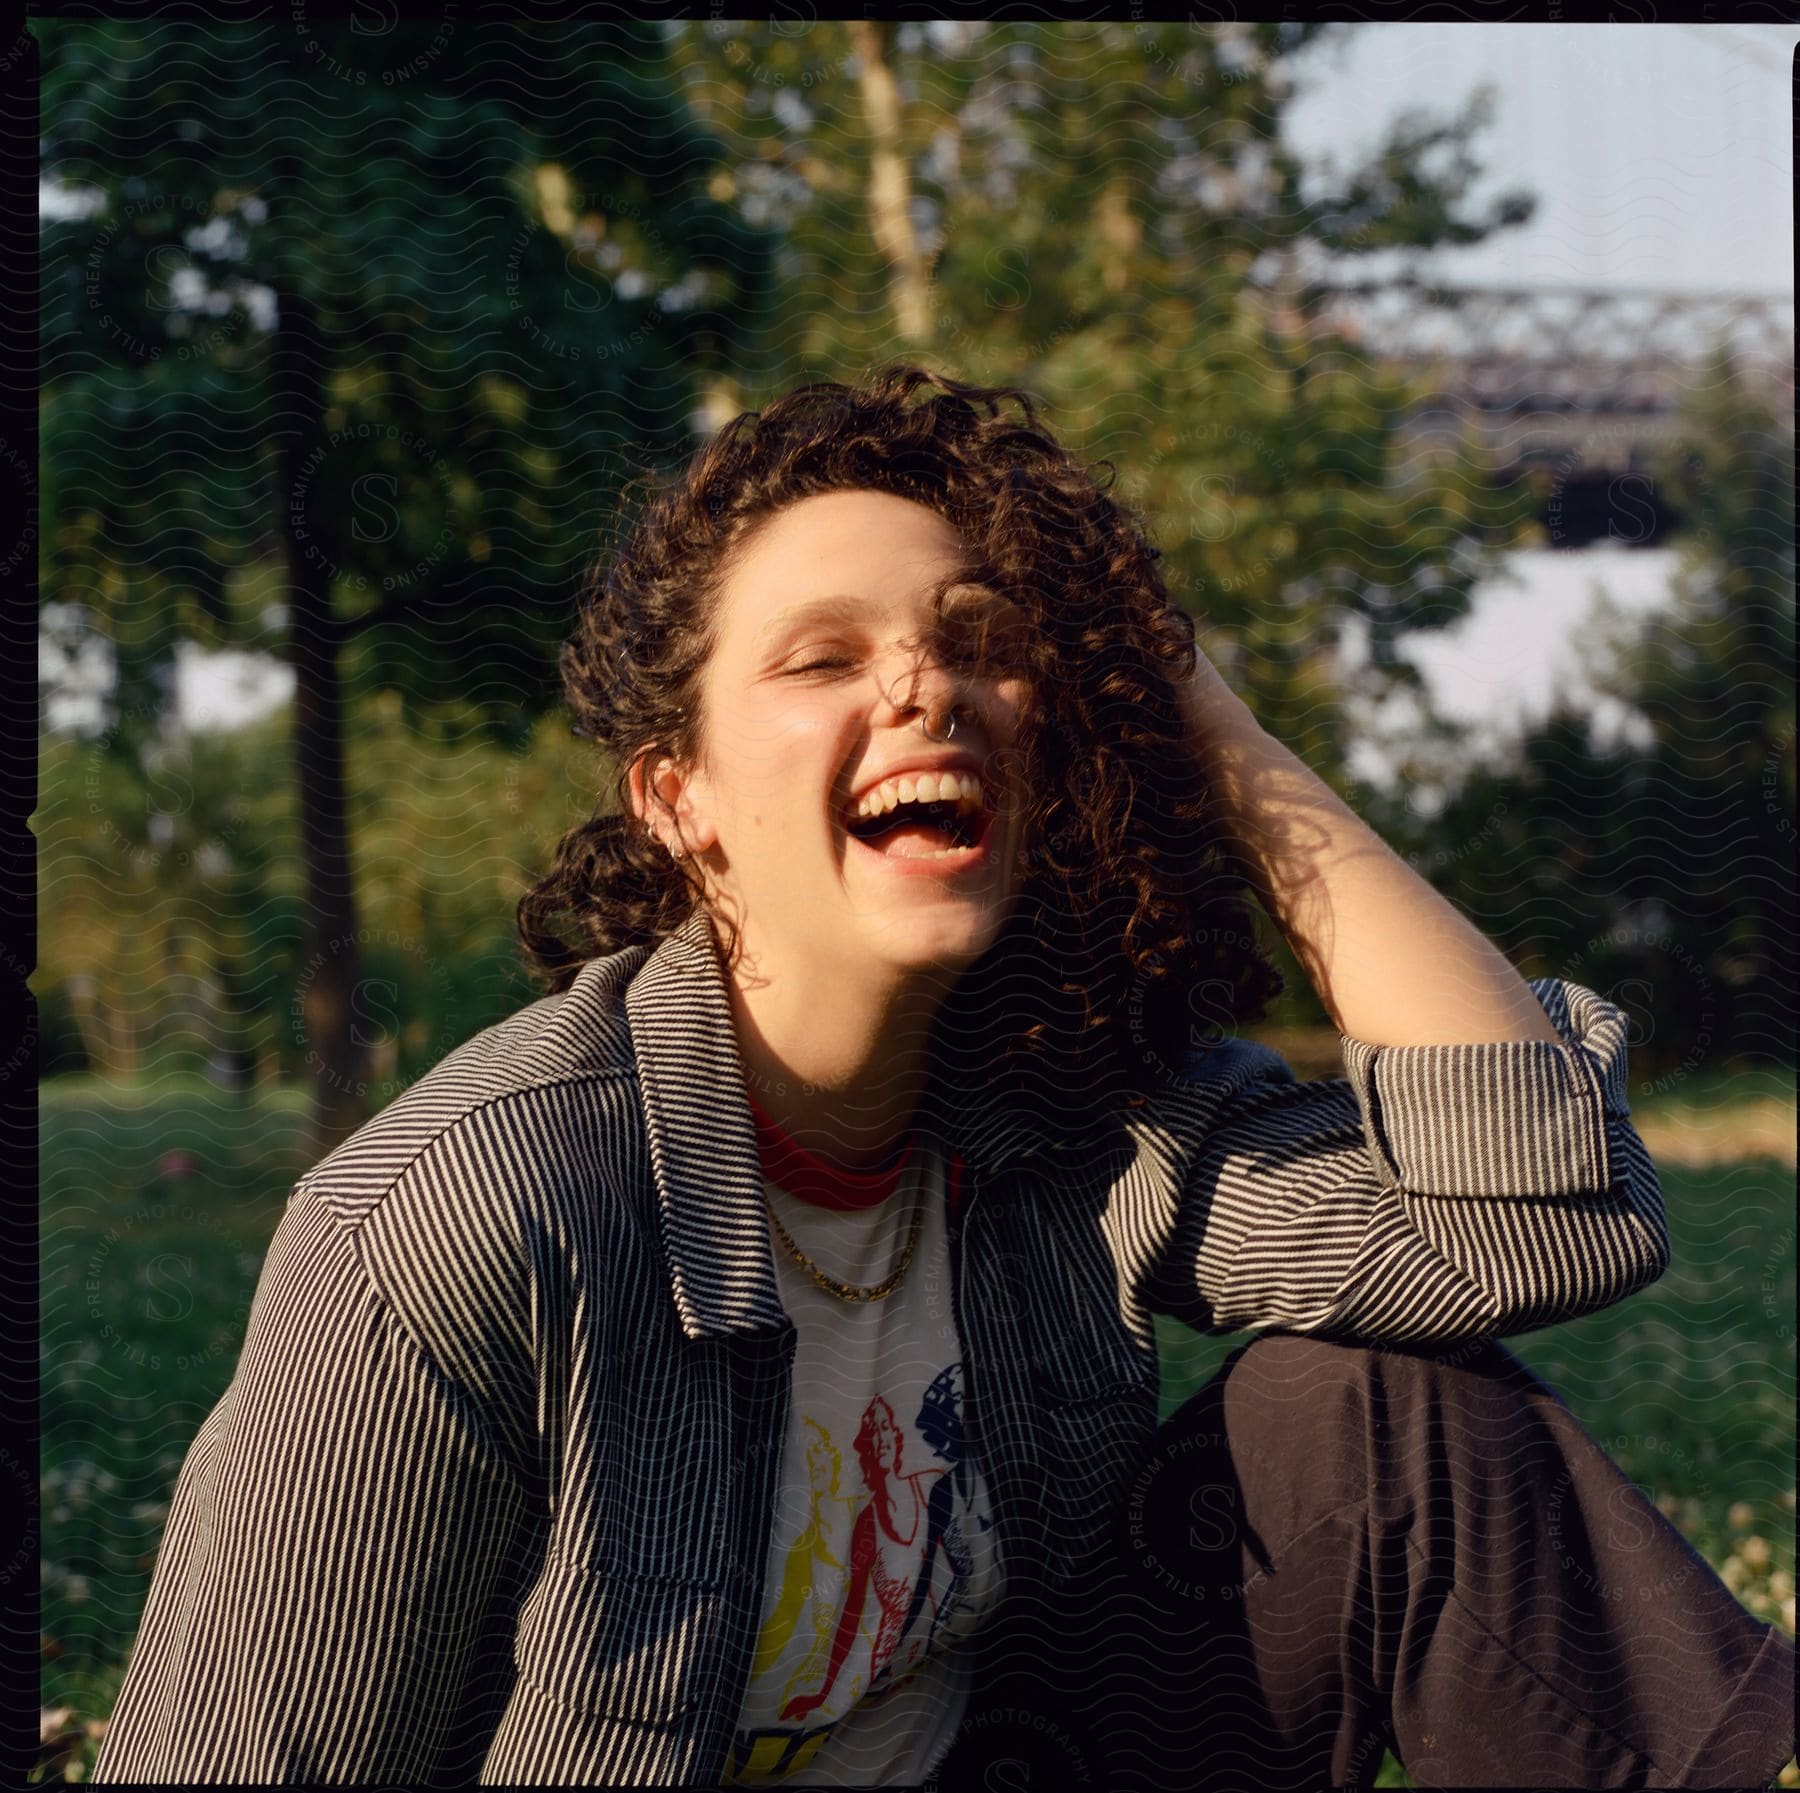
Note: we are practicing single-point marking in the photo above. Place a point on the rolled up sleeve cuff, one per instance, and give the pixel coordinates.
(1499, 1118)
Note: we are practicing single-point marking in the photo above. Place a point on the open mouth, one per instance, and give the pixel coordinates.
(923, 830)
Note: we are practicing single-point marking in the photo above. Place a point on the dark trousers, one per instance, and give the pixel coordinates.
(1334, 1551)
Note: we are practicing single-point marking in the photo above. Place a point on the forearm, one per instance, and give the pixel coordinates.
(1394, 962)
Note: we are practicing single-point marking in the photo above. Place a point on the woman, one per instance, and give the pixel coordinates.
(889, 1061)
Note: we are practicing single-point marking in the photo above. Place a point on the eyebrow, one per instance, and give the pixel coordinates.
(834, 607)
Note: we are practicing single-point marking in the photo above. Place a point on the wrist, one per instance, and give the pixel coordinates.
(1215, 716)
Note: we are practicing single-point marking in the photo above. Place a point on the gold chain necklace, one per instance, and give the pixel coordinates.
(849, 1291)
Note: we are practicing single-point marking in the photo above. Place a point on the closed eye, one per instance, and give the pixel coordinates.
(957, 652)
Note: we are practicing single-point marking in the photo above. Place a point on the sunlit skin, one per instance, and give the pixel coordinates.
(1394, 961)
(845, 962)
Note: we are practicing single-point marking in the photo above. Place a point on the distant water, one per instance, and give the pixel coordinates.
(1500, 666)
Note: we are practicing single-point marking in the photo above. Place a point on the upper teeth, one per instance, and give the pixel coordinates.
(959, 788)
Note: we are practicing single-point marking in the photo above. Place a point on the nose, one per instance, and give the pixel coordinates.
(924, 686)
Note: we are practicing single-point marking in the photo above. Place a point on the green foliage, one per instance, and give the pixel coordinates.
(172, 930)
(161, 882)
(509, 278)
(1660, 874)
(364, 390)
(147, 1275)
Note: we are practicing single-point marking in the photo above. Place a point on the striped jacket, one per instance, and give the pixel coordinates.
(489, 1496)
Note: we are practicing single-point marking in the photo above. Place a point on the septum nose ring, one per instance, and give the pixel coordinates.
(949, 725)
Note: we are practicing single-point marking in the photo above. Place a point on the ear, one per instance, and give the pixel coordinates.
(671, 801)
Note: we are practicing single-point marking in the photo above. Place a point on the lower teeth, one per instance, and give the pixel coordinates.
(941, 853)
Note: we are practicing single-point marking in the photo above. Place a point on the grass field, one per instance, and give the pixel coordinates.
(149, 1262)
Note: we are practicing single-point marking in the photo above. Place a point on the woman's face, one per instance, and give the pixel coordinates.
(825, 664)
(884, 1440)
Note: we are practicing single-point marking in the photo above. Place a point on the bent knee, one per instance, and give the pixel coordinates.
(1297, 1410)
(1301, 1359)
(1289, 1395)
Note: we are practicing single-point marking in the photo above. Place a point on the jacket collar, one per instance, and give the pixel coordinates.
(702, 1140)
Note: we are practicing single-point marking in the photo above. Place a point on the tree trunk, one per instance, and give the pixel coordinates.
(890, 183)
(1121, 232)
(91, 1023)
(333, 961)
(235, 1013)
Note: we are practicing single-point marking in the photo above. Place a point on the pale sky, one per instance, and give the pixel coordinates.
(1661, 155)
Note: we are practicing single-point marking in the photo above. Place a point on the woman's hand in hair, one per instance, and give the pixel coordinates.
(1210, 708)
(1394, 962)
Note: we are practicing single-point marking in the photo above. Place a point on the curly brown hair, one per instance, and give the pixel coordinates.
(1132, 923)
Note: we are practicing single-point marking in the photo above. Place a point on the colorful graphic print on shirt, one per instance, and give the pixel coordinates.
(877, 1577)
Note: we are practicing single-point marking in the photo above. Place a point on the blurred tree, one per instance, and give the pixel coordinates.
(358, 330)
(1660, 870)
(160, 872)
(178, 900)
(1107, 214)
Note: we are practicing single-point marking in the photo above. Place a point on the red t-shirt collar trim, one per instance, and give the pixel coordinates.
(788, 1163)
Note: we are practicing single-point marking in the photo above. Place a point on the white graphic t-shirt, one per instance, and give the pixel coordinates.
(882, 1561)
